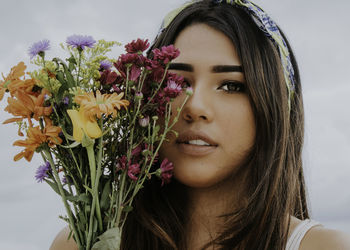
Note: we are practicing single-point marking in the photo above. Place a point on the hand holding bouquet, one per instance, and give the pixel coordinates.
(97, 129)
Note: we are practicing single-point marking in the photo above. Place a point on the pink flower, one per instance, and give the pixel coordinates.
(166, 53)
(166, 171)
(172, 89)
(137, 46)
(133, 170)
(121, 163)
(161, 99)
(135, 72)
(136, 151)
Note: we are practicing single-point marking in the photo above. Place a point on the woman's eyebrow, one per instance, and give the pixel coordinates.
(226, 68)
(215, 69)
(181, 66)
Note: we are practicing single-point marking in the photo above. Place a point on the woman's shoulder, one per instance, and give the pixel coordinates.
(322, 238)
(61, 241)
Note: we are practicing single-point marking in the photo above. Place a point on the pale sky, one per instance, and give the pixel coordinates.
(319, 34)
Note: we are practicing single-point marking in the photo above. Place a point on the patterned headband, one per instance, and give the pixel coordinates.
(265, 24)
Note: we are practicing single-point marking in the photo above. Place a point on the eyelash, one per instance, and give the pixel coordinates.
(238, 86)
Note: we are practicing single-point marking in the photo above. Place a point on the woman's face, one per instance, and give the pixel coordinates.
(218, 113)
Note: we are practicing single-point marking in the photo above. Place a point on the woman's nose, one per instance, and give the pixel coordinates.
(198, 107)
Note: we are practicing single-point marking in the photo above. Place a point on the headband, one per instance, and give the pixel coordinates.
(265, 24)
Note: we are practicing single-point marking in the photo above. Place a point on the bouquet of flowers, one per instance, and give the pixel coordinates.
(98, 124)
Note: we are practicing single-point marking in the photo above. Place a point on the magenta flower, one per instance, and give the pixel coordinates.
(172, 89)
(80, 42)
(166, 53)
(39, 48)
(137, 46)
(136, 151)
(126, 60)
(165, 172)
(133, 170)
(42, 172)
(121, 164)
(135, 72)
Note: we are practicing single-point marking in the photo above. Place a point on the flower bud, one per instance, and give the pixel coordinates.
(189, 91)
(144, 121)
(139, 95)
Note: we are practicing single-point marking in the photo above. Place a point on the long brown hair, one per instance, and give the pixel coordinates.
(276, 179)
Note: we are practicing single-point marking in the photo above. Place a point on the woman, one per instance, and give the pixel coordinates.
(238, 177)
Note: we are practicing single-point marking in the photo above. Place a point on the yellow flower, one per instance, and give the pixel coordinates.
(81, 125)
(101, 104)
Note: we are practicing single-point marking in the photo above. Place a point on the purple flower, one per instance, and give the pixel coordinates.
(39, 48)
(79, 41)
(42, 172)
(65, 100)
(105, 65)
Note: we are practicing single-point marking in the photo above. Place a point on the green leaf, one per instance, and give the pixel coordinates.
(156, 129)
(54, 186)
(82, 197)
(127, 208)
(105, 195)
(72, 63)
(60, 78)
(109, 240)
(87, 141)
(73, 145)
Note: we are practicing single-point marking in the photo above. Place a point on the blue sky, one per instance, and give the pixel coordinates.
(319, 34)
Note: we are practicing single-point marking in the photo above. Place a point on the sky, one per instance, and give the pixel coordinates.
(317, 30)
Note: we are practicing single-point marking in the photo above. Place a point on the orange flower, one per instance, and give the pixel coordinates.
(27, 106)
(12, 78)
(35, 137)
(25, 85)
(101, 104)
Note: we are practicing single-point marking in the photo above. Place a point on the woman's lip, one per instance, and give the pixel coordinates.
(195, 150)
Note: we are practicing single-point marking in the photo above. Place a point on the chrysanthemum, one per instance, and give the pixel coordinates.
(80, 42)
(35, 137)
(24, 105)
(133, 170)
(13, 78)
(105, 65)
(173, 89)
(42, 172)
(166, 171)
(101, 104)
(137, 46)
(39, 47)
(166, 53)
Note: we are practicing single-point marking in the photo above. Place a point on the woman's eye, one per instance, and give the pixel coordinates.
(232, 86)
(186, 83)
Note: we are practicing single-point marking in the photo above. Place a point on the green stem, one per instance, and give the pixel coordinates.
(79, 62)
(64, 199)
(95, 177)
